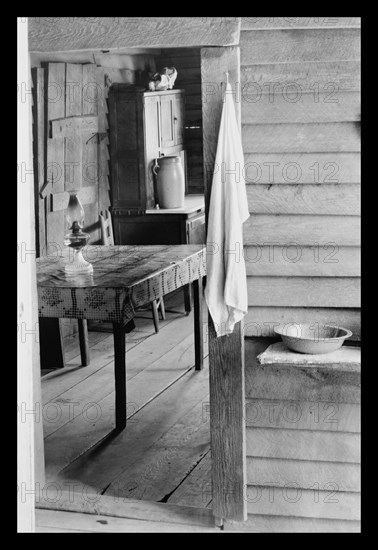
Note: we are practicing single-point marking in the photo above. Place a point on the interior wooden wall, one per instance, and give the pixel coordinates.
(97, 71)
(312, 120)
(188, 64)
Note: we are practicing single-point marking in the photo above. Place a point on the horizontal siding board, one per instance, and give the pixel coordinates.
(302, 415)
(260, 321)
(295, 106)
(312, 76)
(304, 474)
(299, 502)
(282, 46)
(281, 229)
(336, 199)
(296, 261)
(304, 445)
(258, 523)
(317, 292)
(296, 168)
(254, 23)
(302, 138)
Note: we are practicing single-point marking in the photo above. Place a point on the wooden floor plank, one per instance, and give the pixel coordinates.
(72, 347)
(168, 438)
(143, 386)
(195, 490)
(102, 464)
(102, 353)
(172, 458)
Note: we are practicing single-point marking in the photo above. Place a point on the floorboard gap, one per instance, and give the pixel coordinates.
(168, 495)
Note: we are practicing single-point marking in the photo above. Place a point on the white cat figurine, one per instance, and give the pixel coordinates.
(163, 80)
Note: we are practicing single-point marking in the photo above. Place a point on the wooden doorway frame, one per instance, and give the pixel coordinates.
(219, 55)
(226, 354)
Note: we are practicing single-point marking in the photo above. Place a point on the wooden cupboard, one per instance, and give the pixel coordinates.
(143, 127)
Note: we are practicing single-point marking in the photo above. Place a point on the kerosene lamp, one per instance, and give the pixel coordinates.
(76, 239)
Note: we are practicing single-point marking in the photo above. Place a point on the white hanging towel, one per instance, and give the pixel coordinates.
(226, 286)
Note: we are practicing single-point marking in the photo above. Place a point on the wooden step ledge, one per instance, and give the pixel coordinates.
(104, 505)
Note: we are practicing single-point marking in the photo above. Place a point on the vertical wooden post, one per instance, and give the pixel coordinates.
(226, 354)
(30, 458)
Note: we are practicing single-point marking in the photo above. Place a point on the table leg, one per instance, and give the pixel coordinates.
(84, 344)
(187, 299)
(120, 375)
(51, 343)
(155, 315)
(162, 308)
(198, 323)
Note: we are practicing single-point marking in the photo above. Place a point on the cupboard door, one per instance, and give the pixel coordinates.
(196, 230)
(179, 119)
(167, 126)
(126, 146)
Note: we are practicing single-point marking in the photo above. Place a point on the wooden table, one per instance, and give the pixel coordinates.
(124, 278)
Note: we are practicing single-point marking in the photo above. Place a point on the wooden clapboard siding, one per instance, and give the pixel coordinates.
(259, 523)
(302, 138)
(188, 64)
(314, 77)
(296, 501)
(303, 261)
(295, 415)
(336, 199)
(303, 473)
(300, 45)
(303, 440)
(304, 445)
(260, 320)
(299, 168)
(292, 105)
(300, 104)
(304, 291)
(302, 230)
(254, 23)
